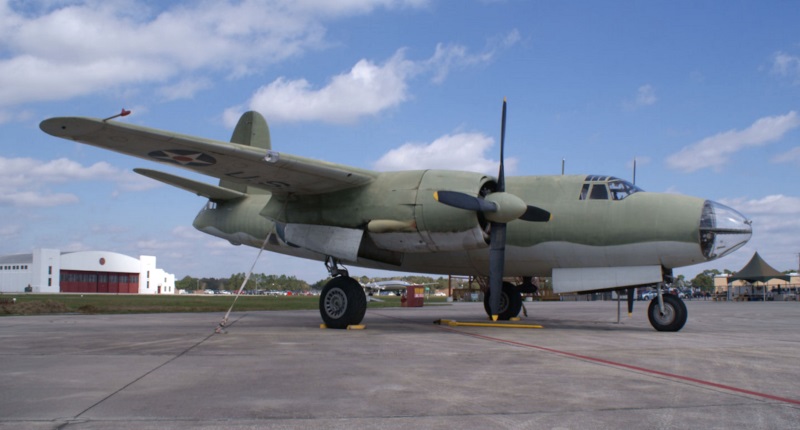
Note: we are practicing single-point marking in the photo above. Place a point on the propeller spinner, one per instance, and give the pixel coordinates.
(499, 208)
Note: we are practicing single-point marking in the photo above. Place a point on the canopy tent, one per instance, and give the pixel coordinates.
(757, 270)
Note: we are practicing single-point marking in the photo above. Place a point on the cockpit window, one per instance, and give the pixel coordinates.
(603, 187)
(599, 192)
(621, 189)
(584, 191)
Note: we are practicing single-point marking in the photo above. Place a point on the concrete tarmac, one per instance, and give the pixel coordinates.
(734, 365)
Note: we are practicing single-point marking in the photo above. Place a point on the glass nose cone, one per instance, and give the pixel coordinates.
(722, 230)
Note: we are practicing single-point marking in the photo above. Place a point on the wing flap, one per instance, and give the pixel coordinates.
(279, 173)
(209, 191)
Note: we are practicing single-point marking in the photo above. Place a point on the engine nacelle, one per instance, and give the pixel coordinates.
(435, 226)
(395, 213)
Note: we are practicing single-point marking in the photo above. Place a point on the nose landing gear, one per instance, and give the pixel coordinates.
(669, 315)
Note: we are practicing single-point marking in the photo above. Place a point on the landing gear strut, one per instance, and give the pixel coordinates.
(510, 302)
(343, 301)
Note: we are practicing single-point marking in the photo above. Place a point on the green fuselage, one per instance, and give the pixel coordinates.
(406, 229)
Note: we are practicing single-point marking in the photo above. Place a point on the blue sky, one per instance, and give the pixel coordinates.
(705, 95)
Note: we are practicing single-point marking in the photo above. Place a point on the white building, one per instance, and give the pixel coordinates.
(52, 271)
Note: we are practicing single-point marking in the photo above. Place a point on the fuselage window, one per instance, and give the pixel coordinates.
(599, 192)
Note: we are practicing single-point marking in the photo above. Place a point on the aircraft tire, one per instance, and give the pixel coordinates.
(674, 313)
(510, 302)
(342, 302)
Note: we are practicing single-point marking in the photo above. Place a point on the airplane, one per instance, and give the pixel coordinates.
(590, 233)
(395, 286)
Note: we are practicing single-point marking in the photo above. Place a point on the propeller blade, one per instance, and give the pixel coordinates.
(501, 175)
(497, 236)
(535, 214)
(464, 201)
(497, 251)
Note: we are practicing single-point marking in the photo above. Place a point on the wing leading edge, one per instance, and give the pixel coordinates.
(277, 172)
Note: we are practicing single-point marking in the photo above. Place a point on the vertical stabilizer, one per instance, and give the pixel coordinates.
(252, 130)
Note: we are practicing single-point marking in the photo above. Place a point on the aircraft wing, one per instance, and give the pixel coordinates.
(277, 172)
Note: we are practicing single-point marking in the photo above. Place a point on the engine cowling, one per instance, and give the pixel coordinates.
(435, 226)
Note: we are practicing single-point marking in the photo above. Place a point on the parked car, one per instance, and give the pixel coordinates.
(649, 295)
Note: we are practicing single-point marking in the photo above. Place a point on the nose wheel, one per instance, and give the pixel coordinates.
(672, 318)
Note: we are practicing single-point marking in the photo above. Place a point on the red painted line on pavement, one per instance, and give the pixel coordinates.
(628, 366)
(616, 364)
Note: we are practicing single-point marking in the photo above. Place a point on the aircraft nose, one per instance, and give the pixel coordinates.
(722, 230)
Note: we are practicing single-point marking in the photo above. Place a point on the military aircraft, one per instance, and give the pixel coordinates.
(395, 286)
(591, 233)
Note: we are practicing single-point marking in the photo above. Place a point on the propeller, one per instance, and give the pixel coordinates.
(499, 208)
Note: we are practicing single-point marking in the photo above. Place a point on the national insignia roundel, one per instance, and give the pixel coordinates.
(184, 157)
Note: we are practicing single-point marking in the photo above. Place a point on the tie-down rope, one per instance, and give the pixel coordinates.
(221, 327)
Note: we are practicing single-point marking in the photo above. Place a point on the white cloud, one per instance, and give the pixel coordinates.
(714, 151)
(157, 244)
(184, 89)
(366, 89)
(448, 57)
(56, 51)
(186, 232)
(790, 156)
(36, 199)
(787, 66)
(645, 96)
(15, 115)
(22, 180)
(463, 151)
(21, 171)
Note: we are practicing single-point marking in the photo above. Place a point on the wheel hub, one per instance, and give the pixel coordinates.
(335, 303)
(665, 317)
(503, 302)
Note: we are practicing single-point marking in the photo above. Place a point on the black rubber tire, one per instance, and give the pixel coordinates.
(510, 302)
(674, 317)
(342, 303)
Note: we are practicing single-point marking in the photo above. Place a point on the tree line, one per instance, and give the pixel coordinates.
(260, 281)
(257, 281)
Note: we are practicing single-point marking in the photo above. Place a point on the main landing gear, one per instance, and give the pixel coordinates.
(510, 302)
(511, 298)
(343, 301)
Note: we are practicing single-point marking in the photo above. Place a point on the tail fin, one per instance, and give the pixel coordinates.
(252, 130)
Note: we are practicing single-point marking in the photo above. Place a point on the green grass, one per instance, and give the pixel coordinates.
(33, 304)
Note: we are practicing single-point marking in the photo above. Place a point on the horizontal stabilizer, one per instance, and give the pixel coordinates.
(213, 192)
